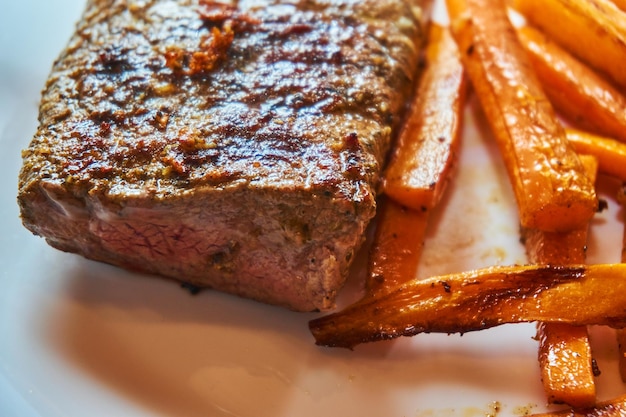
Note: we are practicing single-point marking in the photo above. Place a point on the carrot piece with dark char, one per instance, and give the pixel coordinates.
(480, 299)
(420, 166)
(621, 333)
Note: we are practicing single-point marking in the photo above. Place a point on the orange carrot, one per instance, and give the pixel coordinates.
(480, 299)
(396, 248)
(611, 154)
(552, 191)
(576, 91)
(621, 333)
(419, 168)
(565, 359)
(620, 4)
(592, 30)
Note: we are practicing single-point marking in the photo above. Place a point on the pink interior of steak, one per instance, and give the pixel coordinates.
(282, 249)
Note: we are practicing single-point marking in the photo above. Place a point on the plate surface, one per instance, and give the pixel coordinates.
(86, 339)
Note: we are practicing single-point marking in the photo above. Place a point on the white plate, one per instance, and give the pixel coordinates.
(80, 338)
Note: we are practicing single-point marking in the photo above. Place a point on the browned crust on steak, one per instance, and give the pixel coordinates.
(230, 146)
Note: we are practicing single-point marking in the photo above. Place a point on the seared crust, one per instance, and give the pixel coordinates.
(183, 138)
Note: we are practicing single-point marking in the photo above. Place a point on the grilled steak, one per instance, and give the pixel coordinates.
(233, 146)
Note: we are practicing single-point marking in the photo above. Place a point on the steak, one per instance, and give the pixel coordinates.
(235, 146)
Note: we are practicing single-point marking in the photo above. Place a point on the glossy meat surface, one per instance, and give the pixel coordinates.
(236, 146)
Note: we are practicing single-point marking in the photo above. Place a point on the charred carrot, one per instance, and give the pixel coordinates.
(480, 299)
(621, 333)
(578, 92)
(396, 247)
(428, 143)
(552, 191)
(420, 165)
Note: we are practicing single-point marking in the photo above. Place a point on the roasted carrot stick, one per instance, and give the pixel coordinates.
(620, 4)
(419, 167)
(611, 408)
(566, 365)
(479, 299)
(561, 247)
(396, 247)
(610, 153)
(565, 359)
(551, 188)
(576, 91)
(621, 333)
(593, 30)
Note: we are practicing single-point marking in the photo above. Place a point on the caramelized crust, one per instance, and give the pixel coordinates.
(236, 146)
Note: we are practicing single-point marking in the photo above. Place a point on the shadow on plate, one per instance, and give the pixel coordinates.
(157, 347)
